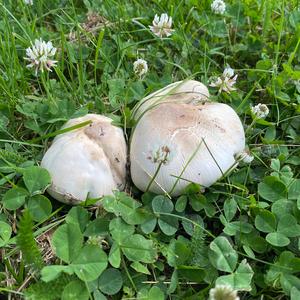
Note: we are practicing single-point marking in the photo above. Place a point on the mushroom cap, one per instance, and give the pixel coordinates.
(190, 143)
(86, 162)
(186, 91)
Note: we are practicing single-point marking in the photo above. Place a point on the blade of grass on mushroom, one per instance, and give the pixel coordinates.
(61, 131)
(185, 166)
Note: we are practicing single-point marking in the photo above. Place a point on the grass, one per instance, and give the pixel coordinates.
(243, 231)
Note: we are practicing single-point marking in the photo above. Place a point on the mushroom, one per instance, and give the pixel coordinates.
(86, 162)
(178, 142)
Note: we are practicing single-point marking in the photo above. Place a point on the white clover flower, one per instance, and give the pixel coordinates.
(260, 111)
(223, 292)
(245, 156)
(28, 2)
(39, 56)
(218, 7)
(161, 155)
(162, 25)
(226, 81)
(140, 67)
(228, 72)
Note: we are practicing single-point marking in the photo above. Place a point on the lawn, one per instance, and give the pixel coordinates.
(237, 237)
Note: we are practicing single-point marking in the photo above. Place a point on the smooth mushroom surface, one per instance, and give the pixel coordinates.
(186, 91)
(86, 162)
(175, 144)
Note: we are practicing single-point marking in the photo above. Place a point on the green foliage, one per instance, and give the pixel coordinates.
(78, 216)
(138, 248)
(243, 231)
(40, 207)
(162, 205)
(14, 198)
(240, 279)
(75, 289)
(11, 157)
(5, 233)
(27, 243)
(199, 248)
(48, 290)
(110, 282)
(265, 221)
(90, 262)
(87, 261)
(36, 179)
(272, 189)
(67, 241)
(122, 205)
(222, 255)
(155, 293)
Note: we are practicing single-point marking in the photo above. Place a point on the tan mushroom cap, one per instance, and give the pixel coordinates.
(186, 91)
(86, 162)
(191, 143)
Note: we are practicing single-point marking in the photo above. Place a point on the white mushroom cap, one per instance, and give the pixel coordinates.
(86, 162)
(186, 91)
(196, 143)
